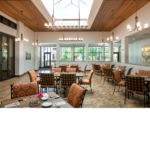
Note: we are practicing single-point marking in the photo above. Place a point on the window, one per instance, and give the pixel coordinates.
(98, 53)
(72, 52)
(116, 54)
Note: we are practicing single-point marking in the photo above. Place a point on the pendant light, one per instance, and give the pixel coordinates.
(21, 39)
(137, 24)
(37, 42)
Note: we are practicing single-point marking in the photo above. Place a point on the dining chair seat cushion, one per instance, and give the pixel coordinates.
(137, 92)
(121, 83)
(84, 81)
(109, 77)
(82, 70)
(51, 86)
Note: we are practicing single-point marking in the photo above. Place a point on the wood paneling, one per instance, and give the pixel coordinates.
(123, 9)
(103, 20)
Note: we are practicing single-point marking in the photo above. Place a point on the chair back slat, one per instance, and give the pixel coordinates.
(76, 67)
(56, 70)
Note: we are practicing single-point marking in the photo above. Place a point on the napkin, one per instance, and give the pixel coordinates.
(60, 103)
(12, 105)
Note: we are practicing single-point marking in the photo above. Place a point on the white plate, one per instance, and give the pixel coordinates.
(47, 104)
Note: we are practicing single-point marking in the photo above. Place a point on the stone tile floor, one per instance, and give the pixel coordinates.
(102, 96)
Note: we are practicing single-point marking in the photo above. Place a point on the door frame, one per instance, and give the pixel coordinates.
(8, 36)
(117, 54)
(49, 60)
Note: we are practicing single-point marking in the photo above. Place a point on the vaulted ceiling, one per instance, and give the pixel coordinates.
(110, 11)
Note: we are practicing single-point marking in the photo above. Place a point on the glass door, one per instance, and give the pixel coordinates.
(7, 56)
(47, 59)
(116, 56)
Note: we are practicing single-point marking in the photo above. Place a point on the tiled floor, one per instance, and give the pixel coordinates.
(102, 96)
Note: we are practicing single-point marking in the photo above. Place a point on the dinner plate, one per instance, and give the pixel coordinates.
(44, 98)
(47, 104)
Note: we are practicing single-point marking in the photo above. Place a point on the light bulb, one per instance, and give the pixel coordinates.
(128, 27)
(146, 26)
(138, 24)
(35, 43)
(50, 24)
(40, 44)
(32, 43)
(27, 40)
(140, 28)
(16, 40)
(107, 39)
(117, 38)
(46, 24)
(111, 38)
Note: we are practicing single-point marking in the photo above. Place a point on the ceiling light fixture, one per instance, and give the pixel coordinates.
(59, 27)
(137, 24)
(112, 38)
(37, 42)
(21, 39)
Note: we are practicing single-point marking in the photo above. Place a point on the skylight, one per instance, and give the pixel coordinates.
(68, 9)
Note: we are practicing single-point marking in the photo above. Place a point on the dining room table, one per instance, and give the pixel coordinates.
(24, 102)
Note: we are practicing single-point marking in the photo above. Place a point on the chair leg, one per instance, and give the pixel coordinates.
(118, 88)
(125, 98)
(144, 100)
(114, 89)
(91, 89)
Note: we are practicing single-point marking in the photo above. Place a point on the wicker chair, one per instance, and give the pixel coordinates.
(76, 67)
(135, 85)
(48, 81)
(102, 68)
(67, 80)
(84, 70)
(87, 81)
(144, 73)
(108, 65)
(97, 69)
(108, 74)
(112, 66)
(118, 81)
(63, 68)
(71, 69)
(24, 89)
(76, 96)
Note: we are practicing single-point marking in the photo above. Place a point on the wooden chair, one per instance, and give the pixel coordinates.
(33, 76)
(67, 80)
(63, 68)
(48, 81)
(71, 69)
(84, 70)
(76, 96)
(24, 89)
(135, 85)
(87, 81)
(76, 67)
(108, 74)
(118, 81)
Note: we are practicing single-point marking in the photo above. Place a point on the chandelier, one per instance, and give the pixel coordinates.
(112, 37)
(37, 42)
(137, 24)
(56, 26)
(21, 39)
(70, 39)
